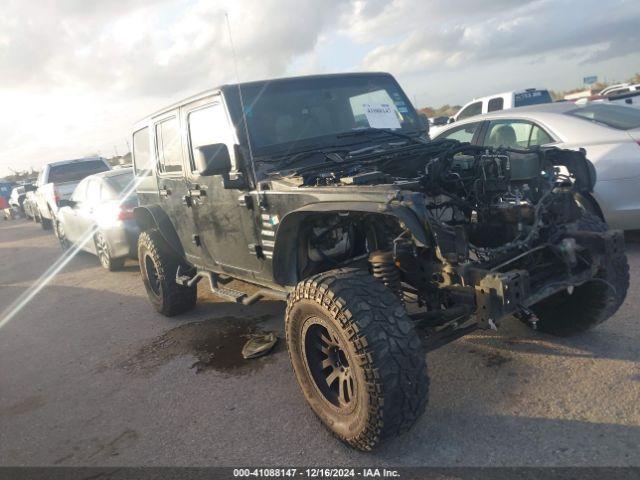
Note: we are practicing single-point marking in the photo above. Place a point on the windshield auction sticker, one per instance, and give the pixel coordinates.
(381, 115)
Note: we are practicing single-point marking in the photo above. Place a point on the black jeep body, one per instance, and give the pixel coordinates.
(324, 192)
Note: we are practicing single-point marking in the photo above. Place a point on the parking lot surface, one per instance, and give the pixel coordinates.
(91, 375)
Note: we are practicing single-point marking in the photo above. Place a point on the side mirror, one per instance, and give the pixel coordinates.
(66, 203)
(451, 120)
(212, 159)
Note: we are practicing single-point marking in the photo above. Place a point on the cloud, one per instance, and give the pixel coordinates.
(468, 33)
(76, 73)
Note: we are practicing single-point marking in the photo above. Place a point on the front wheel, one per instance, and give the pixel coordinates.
(591, 303)
(356, 356)
(158, 267)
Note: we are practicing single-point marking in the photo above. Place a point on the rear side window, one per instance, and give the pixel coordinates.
(463, 133)
(614, 116)
(207, 126)
(531, 97)
(495, 104)
(470, 110)
(539, 137)
(74, 172)
(141, 154)
(168, 146)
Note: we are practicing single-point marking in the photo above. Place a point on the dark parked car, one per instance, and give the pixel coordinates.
(322, 191)
(99, 217)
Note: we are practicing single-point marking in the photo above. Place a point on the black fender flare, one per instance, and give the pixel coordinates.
(153, 216)
(285, 261)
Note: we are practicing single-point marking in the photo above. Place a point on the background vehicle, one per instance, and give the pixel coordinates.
(30, 204)
(501, 101)
(58, 180)
(5, 190)
(101, 208)
(609, 134)
(621, 88)
(18, 197)
(382, 243)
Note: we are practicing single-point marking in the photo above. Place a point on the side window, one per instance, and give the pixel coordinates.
(93, 191)
(207, 125)
(78, 193)
(470, 111)
(141, 153)
(168, 146)
(508, 133)
(463, 133)
(106, 192)
(495, 104)
(539, 137)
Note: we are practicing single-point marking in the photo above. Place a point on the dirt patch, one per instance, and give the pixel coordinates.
(215, 344)
(25, 405)
(492, 359)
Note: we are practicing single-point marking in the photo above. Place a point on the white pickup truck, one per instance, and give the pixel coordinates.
(58, 180)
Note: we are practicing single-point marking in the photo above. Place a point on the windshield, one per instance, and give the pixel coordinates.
(531, 97)
(120, 182)
(123, 187)
(614, 116)
(76, 171)
(283, 115)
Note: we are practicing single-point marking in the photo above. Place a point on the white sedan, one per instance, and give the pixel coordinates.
(610, 135)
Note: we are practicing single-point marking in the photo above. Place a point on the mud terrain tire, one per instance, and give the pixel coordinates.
(158, 267)
(375, 340)
(590, 304)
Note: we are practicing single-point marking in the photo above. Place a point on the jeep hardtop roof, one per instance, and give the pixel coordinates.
(233, 86)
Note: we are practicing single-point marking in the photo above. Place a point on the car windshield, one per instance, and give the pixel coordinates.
(531, 97)
(286, 115)
(76, 171)
(614, 116)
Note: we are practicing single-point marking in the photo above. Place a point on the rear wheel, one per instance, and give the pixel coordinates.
(45, 223)
(356, 356)
(62, 236)
(104, 254)
(158, 267)
(591, 303)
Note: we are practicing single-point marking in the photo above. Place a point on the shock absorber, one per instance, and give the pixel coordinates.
(385, 270)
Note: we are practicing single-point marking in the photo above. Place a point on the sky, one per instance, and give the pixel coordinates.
(76, 74)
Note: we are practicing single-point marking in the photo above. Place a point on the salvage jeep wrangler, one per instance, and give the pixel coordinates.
(324, 191)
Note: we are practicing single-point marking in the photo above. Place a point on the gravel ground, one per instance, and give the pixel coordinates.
(91, 375)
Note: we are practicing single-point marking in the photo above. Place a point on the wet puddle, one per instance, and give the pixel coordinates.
(215, 344)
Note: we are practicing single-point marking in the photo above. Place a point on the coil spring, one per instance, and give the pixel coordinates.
(385, 269)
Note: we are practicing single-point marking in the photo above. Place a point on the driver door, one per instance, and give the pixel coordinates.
(226, 230)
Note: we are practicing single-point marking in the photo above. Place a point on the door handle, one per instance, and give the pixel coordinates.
(164, 192)
(197, 192)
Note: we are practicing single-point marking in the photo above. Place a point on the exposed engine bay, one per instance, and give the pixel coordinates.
(496, 198)
(503, 224)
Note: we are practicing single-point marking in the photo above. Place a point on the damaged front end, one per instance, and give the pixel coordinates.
(478, 234)
(508, 233)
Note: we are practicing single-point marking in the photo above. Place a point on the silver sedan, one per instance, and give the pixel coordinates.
(99, 217)
(610, 134)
